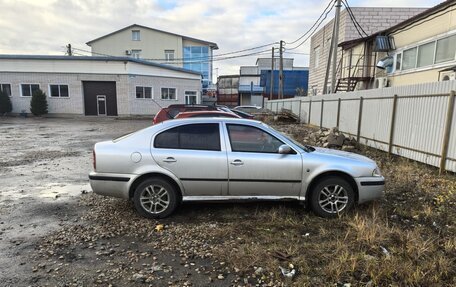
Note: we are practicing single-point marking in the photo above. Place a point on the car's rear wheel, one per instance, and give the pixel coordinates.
(332, 197)
(155, 198)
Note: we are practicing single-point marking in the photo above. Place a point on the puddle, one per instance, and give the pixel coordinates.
(49, 191)
(56, 190)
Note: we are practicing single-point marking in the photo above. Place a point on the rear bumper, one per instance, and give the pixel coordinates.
(370, 188)
(110, 184)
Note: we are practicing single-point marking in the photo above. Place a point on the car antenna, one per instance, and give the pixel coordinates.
(166, 110)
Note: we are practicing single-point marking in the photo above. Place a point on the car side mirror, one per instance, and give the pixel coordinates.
(284, 149)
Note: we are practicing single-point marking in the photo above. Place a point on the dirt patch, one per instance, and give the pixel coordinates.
(405, 239)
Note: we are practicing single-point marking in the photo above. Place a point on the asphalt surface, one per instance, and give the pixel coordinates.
(44, 165)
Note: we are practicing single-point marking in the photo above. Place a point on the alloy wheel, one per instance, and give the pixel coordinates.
(333, 198)
(154, 199)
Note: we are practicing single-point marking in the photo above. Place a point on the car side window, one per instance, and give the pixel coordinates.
(194, 137)
(251, 139)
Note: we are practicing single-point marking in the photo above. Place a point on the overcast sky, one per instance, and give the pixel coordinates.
(46, 26)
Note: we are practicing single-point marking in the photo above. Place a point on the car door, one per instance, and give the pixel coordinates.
(193, 152)
(256, 168)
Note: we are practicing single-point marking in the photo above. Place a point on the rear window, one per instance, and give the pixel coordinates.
(193, 137)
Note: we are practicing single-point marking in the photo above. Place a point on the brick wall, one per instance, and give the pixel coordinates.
(127, 104)
(372, 19)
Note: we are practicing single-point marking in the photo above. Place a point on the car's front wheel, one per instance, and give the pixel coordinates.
(331, 197)
(155, 198)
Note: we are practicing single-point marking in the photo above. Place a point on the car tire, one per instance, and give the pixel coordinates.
(331, 197)
(155, 198)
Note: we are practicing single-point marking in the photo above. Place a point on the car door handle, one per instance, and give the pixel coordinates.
(237, 162)
(169, 159)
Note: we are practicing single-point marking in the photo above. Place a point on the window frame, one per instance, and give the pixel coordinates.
(168, 53)
(161, 93)
(138, 33)
(196, 95)
(435, 55)
(218, 125)
(31, 93)
(434, 65)
(59, 97)
(136, 53)
(10, 88)
(317, 53)
(144, 92)
(262, 130)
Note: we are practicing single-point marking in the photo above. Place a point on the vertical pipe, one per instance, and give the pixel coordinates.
(446, 134)
(281, 71)
(300, 105)
(334, 52)
(338, 113)
(392, 126)
(310, 110)
(360, 115)
(321, 113)
(271, 94)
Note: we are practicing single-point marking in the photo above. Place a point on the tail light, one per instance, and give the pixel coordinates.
(94, 160)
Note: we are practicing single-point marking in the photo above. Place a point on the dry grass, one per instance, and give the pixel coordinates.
(406, 239)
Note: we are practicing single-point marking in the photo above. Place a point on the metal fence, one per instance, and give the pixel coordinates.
(416, 122)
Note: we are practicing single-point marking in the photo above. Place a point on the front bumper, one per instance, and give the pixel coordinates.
(370, 188)
(111, 184)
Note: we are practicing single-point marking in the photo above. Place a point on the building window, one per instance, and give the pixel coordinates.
(136, 54)
(197, 58)
(143, 92)
(6, 88)
(398, 61)
(58, 91)
(409, 60)
(169, 55)
(426, 54)
(168, 93)
(190, 98)
(27, 90)
(446, 49)
(135, 35)
(317, 57)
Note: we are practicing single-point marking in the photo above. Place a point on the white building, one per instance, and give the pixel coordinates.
(97, 86)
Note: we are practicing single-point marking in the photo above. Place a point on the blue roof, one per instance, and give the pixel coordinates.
(97, 58)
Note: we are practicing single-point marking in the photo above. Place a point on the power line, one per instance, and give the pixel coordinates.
(297, 53)
(187, 62)
(353, 18)
(321, 15)
(176, 60)
(315, 29)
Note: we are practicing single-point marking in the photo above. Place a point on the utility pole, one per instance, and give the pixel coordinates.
(271, 93)
(69, 51)
(328, 63)
(281, 71)
(334, 52)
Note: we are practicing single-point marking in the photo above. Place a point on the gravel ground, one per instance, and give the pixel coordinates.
(55, 232)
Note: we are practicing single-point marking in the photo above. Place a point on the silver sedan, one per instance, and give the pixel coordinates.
(215, 159)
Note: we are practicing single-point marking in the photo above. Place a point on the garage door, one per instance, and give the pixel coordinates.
(100, 98)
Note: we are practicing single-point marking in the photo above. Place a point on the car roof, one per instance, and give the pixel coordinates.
(207, 112)
(210, 120)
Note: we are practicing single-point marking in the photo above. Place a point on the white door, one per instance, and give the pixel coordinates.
(191, 98)
(101, 105)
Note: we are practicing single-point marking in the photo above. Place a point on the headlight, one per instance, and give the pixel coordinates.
(376, 172)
